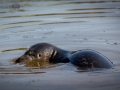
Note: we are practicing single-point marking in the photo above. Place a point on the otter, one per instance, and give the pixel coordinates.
(44, 52)
(84, 59)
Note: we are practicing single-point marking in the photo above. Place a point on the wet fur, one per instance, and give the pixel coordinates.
(45, 52)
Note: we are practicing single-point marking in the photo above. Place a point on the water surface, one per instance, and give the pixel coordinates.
(70, 25)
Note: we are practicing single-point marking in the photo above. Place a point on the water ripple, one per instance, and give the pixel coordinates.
(54, 14)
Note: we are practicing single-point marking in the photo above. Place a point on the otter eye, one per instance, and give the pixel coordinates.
(39, 55)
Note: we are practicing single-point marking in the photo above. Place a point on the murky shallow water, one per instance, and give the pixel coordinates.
(70, 25)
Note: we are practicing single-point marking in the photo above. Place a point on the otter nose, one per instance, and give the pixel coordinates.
(18, 60)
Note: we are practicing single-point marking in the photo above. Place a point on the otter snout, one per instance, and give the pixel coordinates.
(18, 60)
(23, 59)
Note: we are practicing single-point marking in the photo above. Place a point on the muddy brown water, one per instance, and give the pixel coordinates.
(70, 25)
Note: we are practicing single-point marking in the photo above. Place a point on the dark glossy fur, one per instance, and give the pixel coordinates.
(82, 59)
(45, 52)
(90, 59)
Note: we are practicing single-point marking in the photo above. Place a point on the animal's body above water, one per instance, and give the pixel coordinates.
(45, 52)
(85, 59)
(49, 53)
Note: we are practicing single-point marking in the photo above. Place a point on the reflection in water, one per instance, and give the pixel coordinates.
(18, 71)
(105, 72)
(39, 64)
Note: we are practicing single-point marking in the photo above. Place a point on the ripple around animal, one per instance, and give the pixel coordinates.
(14, 49)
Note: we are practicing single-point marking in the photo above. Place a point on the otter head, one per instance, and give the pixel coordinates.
(36, 53)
